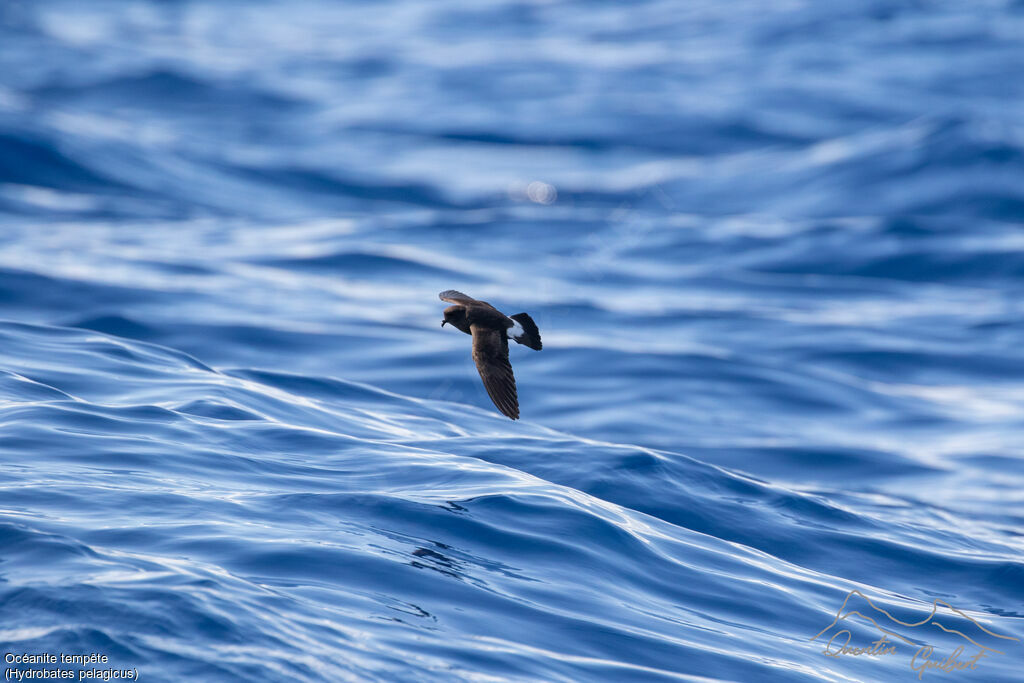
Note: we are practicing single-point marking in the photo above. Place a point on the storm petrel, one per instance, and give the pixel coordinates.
(491, 329)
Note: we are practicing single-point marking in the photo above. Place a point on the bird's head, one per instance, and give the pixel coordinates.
(456, 316)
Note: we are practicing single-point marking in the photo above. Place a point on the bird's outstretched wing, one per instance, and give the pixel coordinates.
(456, 297)
(490, 352)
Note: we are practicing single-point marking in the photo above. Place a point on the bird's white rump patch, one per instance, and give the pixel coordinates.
(516, 331)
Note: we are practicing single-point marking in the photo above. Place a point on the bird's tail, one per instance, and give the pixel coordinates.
(529, 335)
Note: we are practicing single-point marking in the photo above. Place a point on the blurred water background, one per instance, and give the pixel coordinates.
(776, 257)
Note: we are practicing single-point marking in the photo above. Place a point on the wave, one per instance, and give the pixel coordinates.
(290, 513)
(776, 271)
(29, 160)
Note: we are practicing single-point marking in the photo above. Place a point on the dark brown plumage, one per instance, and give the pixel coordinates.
(491, 330)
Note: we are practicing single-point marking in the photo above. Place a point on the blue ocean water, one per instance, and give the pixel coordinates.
(775, 254)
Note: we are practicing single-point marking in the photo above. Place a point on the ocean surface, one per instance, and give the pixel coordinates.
(775, 251)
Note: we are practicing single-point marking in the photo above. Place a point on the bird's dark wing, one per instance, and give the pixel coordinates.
(456, 297)
(481, 308)
(490, 352)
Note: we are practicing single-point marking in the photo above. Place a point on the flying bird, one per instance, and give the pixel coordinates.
(491, 330)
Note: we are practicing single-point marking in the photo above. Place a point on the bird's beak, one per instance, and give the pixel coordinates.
(443, 322)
